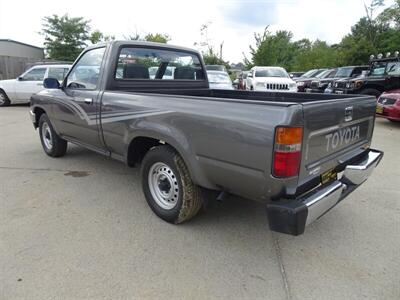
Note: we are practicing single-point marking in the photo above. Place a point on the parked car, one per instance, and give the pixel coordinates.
(21, 89)
(295, 75)
(283, 149)
(319, 85)
(269, 79)
(388, 105)
(216, 68)
(304, 81)
(384, 75)
(219, 80)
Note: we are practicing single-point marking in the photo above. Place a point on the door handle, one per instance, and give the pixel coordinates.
(41, 84)
(88, 100)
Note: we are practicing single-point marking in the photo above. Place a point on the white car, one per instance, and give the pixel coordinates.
(29, 83)
(219, 80)
(270, 79)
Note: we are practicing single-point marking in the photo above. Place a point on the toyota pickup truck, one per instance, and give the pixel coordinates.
(299, 154)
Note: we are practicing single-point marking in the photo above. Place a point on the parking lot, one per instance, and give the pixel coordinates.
(78, 227)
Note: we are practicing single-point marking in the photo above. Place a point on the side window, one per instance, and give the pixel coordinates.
(85, 74)
(393, 68)
(356, 72)
(36, 74)
(57, 73)
(150, 64)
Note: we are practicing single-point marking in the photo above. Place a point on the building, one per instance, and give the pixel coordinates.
(15, 56)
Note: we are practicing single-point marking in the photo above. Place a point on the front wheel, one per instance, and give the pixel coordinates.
(52, 144)
(4, 101)
(167, 186)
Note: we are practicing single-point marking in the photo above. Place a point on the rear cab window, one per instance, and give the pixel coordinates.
(141, 63)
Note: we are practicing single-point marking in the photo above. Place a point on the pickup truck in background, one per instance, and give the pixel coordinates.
(300, 154)
(21, 89)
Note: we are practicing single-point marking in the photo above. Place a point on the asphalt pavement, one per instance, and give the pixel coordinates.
(78, 227)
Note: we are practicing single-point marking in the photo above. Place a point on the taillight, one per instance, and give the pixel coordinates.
(287, 151)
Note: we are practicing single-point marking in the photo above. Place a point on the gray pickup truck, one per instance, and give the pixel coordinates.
(300, 154)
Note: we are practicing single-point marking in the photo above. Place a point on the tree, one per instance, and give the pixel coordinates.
(150, 37)
(391, 16)
(206, 47)
(97, 37)
(272, 49)
(157, 37)
(65, 37)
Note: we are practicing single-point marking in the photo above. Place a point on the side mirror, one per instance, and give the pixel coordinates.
(20, 78)
(291, 75)
(250, 75)
(51, 83)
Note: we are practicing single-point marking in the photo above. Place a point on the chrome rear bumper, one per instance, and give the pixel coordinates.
(291, 216)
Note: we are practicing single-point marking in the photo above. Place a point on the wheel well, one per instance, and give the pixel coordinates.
(138, 148)
(38, 113)
(4, 92)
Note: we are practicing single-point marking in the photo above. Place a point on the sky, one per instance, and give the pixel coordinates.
(232, 22)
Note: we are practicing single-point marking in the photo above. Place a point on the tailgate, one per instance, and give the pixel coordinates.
(335, 131)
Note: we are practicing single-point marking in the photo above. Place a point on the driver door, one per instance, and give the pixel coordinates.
(29, 83)
(77, 108)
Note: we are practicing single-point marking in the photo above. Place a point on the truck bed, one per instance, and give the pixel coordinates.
(247, 95)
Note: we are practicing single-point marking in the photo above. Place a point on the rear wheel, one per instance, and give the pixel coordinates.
(167, 186)
(372, 92)
(4, 101)
(52, 144)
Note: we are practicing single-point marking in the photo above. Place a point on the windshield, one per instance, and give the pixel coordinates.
(344, 72)
(324, 74)
(309, 73)
(271, 73)
(218, 77)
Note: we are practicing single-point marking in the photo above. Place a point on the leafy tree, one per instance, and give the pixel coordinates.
(150, 37)
(391, 16)
(97, 37)
(316, 55)
(272, 49)
(157, 37)
(65, 37)
(372, 34)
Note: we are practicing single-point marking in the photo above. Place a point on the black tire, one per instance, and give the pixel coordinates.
(188, 195)
(4, 101)
(58, 146)
(371, 92)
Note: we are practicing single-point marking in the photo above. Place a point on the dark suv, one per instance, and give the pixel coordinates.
(319, 85)
(384, 75)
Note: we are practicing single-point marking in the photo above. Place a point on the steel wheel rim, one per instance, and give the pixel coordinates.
(2, 99)
(46, 136)
(163, 185)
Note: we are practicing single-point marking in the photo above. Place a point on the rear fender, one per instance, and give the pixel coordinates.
(176, 139)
